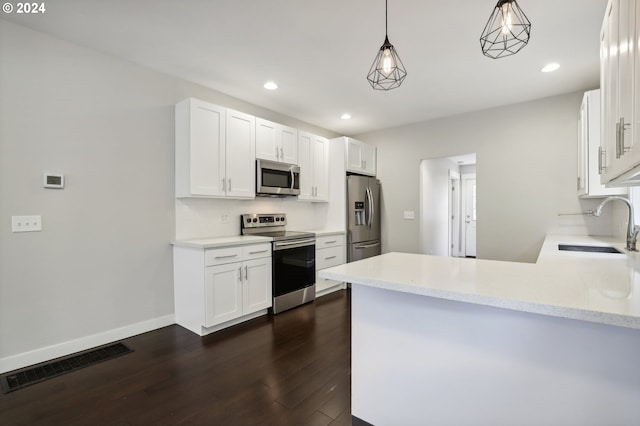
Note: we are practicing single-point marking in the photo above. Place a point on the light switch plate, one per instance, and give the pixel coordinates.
(26, 223)
(408, 214)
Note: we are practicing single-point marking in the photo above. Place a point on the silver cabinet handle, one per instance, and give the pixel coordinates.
(600, 166)
(331, 242)
(329, 258)
(224, 185)
(618, 149)
(277, 153)
(623, 126)
(246, 273)
(256, 252)
(282, 153)
(229, 184)
(578, 183)
(240, 273)
(225, 257)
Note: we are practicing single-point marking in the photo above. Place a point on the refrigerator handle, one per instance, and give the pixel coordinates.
(371, 208)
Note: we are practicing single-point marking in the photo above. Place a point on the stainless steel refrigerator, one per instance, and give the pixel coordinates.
(363, 217)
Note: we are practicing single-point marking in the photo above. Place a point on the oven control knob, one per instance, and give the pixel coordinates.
(282, 219)
(255, 219)
(248, 220)
(277, 219)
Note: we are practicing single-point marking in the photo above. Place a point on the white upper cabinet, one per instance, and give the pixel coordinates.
(313, 159)
(589, 150)
(276, 142)
(620, 69)
(360, 157)
(200, 149)
(240, 155)
(214, 151)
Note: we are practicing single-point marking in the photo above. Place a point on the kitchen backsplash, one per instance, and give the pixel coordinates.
(200, 217)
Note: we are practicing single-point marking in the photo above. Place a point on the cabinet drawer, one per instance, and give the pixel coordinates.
(329, 241)
(328, 257)
(256, 251)
(223, 255)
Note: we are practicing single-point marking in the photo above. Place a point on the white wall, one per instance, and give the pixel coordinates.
(526, 156)
(102, 266)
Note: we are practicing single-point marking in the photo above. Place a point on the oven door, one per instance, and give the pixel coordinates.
(277, 178)
(294, 265)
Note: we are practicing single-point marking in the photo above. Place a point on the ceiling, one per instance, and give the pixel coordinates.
(319, 52)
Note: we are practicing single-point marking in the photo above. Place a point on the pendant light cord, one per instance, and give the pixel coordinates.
(386, 17)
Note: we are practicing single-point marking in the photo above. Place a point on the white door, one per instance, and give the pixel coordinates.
(305, 161)
(469, 215)
(267, 134)
(241, 155)
(207, 149)
(256, 288)
(320, 148)
(223, 293)
(454, 213)
(289, 145)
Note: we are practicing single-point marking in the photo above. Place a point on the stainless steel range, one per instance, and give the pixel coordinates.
(294, 259)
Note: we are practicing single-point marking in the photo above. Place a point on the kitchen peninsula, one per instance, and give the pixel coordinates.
(440, 340)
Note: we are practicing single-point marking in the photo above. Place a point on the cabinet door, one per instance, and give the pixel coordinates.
(240, 155)
(626, 35)
(256, 286)
(267, 135)
(320, 149)
(354, 155)
(289, 145)
(200, 149)
(368, 159)
(582, 147)
(636, 73)
(223, 293)
(609, 87)
(305, 161)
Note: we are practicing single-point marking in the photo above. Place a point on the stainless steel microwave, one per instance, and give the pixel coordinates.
(277, 179)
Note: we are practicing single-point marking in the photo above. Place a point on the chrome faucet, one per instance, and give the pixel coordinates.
(632, 229)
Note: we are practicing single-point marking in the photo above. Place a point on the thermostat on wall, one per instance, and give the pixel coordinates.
(52, 180)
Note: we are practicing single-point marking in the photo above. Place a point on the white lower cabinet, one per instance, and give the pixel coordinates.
(330, 251)
(217, 288)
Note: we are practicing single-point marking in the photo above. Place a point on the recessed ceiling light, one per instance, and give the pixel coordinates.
(270, 85)
(550, 67)
(346, 116)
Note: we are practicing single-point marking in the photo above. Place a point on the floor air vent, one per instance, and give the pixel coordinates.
(37, 373)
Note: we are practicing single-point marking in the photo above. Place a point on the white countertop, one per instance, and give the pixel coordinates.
(596, 287)
(207, 243)
(325, 233)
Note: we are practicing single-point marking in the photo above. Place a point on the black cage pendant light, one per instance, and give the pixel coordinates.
(507, 30)
(387, 71)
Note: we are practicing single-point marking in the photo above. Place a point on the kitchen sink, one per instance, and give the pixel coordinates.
(591, 249)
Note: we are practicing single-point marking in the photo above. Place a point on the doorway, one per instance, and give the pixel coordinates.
(447, 197)
(469, 209)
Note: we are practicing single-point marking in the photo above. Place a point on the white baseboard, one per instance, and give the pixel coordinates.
(47, 353)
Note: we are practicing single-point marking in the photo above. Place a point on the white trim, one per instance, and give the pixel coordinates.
(47, 353)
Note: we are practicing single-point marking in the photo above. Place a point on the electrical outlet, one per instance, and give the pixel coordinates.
(224, 218)
(26, 223)
(408, 215)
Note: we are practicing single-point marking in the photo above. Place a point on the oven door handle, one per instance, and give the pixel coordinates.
(283, 245)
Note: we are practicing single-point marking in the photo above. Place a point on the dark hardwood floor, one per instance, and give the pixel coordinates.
(289, 369)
